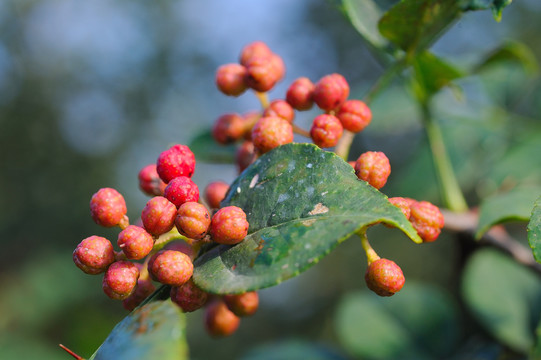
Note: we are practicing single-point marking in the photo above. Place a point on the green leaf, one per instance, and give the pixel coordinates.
(504, 296)
(206, 149)
(536, 351)
(300, 202)
(364, 16)
(534, 230)
(515, 205)
(153, 331)
(496, 6)
(511, 51)
(420, 322)
(431, 74)
(292, 350)
(414, 25)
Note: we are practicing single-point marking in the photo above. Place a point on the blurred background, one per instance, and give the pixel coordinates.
(90, 92)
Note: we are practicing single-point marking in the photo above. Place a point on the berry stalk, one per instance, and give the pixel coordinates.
(371, 254)
(263, 99)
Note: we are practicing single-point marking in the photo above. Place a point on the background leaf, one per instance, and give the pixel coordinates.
(364, 16)
(206, 149)
(504, 296)
(496, 6)
(419, 322)
(516, 205)
(153, 331)
(431, 74)
(292, 350)
(300, 202)
(511, 51)
(534, 230)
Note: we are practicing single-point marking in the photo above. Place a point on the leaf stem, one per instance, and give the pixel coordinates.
(451, 192)
(371, 254)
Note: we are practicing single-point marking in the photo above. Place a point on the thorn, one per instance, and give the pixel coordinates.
(71, 352)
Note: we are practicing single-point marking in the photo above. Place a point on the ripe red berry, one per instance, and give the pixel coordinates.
(354, 115)
(281, 109)
(384, 277)
(270, 132)
(215, 192)
(120, 280)
(193, 220)
(300, 94)
(135, 242)
(108, 208)
(176, 161)
(188, 296)
(219, 320)
(143, 289)
(245, 155)
(229, 225)
(373, 167)
(158, 215)
(170, 267)
(180, 190)
(330, 92)
(231, 79)
(264, 72)
(94, 254)
(250, 118)
(427, 219)
(254, 49)
(229, 128)
(326, 130)
(180, 245)
(403, 204)
(150, 182)
(243, 304)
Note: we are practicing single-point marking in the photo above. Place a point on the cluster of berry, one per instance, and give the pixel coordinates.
(260, 69)
(172, 212)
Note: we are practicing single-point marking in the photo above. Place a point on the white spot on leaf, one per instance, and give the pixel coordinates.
(319, 209)
(254, 181)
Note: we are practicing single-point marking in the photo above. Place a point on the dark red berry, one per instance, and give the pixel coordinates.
(229, 128)
(264, 72)
(215, 192)
(94, 254)
(170, 267)
(326, 130)
(135, 242)
(243, 304)
(231, 79)
(384, 277)
(229, 225)
(427, 219)
(158, 215)
(180, 245)
(150, 182)
(180, 190)
(252, 50)
(270, 132)
(108, 207)
(188, 296)
(219, 320)
(281, 109)
(330, 92)
(245, 155)
(193, 220)
(373, 167)
(176, 161)
(403, 204)
(354, 115)
(143, 289)
(120, 280)
(300, 94)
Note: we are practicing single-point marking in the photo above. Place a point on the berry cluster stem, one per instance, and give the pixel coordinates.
(451, 192)
(371, 254)
(263, 99)
(300, 131)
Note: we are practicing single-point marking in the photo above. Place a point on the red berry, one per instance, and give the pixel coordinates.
(250, 118)
(170, 267)
(373, 167)
(108, 207)
(231, 79)
(384, 277)
(215, 192)
(278, 65)
(229, 225)
(243, 304)
(354, 115)
(120, 280)
(326, 131)
(270, 132)
(150, 182)
(188, 296)
(281, 109)
(94, 254)
(254, 49)
(135, 242)
(143, 289)
(229, 128)
(245, 155)
(176, 161)
(158, 215)
(264, 72)
(300, 93)
(352, 163)
(219, 320)
(180, 190)
(330, 92)
(403, 204)
(193, 220)
(180, 245)
(427, 219)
